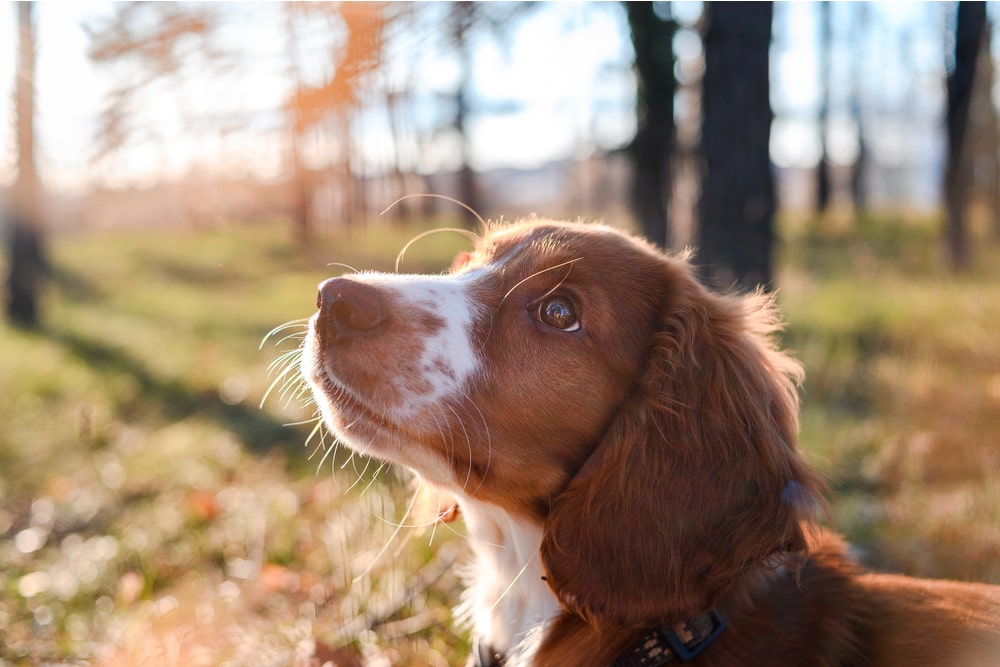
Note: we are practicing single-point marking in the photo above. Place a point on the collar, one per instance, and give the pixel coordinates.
(662, 644)
(680, 641)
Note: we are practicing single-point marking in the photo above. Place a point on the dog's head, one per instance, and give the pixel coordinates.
(579, 378)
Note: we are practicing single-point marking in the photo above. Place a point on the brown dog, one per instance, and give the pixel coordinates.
(621, 443)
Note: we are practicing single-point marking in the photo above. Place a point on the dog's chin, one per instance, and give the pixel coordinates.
(353, 422)
(367, 431)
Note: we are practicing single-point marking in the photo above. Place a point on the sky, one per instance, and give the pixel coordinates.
(559, 78)
(66, 110)
(561, 84)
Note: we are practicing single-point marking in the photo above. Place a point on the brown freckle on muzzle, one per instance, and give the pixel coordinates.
(348, 310)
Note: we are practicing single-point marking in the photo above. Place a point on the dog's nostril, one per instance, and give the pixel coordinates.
(348, 308)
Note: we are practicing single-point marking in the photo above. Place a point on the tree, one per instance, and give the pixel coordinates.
(859, 64)
(464, 18)
(332, 101)
(969, 29)
(25, 244)
(154, 39)
(983, 137)
(652, 148)
(823, 180)
(737, 205)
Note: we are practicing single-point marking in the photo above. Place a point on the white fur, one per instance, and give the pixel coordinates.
(448, 358)
(507, 600)
(507, 603)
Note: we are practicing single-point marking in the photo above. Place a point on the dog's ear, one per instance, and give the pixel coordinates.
(460, 260)
(697, 480)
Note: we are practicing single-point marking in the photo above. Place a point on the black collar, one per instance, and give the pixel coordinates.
(680, 641)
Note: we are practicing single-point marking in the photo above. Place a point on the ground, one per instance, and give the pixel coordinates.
(152, 512)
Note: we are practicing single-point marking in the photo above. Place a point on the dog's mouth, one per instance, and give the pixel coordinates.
(349, 411)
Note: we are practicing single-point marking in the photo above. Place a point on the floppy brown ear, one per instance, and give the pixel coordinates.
(697, 480)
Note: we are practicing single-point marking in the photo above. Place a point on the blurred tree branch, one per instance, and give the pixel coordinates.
(151, 41)
(354, 61)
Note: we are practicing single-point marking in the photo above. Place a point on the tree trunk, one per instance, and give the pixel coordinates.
(463, 17)
(969, 30)
(301, 194)
(25, 244)
(858, 169)
(737, 205)
(823, 185)
(652, 148)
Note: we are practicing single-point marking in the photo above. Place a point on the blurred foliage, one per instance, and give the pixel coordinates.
(150, 512)
(902, 392)
(147, 502)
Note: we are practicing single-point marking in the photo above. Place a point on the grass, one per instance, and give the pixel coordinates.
(151, 512)
(902, 399)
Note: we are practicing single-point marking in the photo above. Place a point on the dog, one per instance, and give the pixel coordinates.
(621, 443)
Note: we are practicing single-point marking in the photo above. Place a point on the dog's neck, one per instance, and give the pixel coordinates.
(507, 602)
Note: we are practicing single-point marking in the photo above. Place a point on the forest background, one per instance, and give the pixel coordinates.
(177, 178)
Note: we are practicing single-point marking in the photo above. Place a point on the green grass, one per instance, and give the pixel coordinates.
(902, 397)
(147, 500)
(148, 505)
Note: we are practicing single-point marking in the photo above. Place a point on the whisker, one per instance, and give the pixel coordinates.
(489, 331)
(554, 287)
(298, 335)
(489, 443)
(286, 375)
(536, 274)
(328, 451)
(375, 475)
(301, 322)
(284, 358)
(464, 232)
(291, 389)
(344, 266)
(319, 424)
(434, 527)
(468, 446)
(312, 420)
(359, 475)
(388, 542)
(350, 457)
(517, 576)
(446, 198)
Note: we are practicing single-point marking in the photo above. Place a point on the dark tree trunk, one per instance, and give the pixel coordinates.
(736, 210)
(27, 270)
(652, 148)
(463, 17)
(858, 175)
(823, 185)
(25, 244)
(969, 30)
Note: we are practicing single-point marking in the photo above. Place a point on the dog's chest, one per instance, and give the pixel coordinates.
(507, 601)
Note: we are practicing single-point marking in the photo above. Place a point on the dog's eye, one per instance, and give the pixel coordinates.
(559, 313)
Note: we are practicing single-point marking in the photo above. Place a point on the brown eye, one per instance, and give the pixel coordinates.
(559, 313)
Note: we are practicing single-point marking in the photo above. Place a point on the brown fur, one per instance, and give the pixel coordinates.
(656, 448)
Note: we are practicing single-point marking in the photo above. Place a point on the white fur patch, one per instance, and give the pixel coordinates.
(507, 601)
(448, 359)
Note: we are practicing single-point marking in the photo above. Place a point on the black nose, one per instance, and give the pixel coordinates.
(348, 309)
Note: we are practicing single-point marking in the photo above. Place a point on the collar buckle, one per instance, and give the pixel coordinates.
(690, 637)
